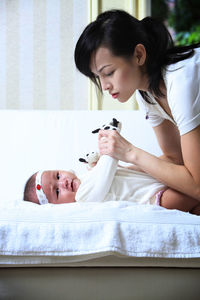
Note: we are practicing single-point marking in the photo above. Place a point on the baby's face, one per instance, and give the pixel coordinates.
(60, 186)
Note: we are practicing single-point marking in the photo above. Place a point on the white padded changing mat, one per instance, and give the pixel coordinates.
(71, 233)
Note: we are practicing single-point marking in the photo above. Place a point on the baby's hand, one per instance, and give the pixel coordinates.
(89, 168)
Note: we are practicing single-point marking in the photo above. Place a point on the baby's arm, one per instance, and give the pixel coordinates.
(132, 167)
(97, 182)
(172, 199)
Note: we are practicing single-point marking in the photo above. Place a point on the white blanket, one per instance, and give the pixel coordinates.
(82, 231)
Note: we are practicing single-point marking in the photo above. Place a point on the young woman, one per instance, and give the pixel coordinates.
(121, 55)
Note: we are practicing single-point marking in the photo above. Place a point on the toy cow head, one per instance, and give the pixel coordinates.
(92, 157)
(113, 125)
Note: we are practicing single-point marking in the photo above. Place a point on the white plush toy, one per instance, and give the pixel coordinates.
(92, 157)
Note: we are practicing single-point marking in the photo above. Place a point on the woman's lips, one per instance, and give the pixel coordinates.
(115, 95)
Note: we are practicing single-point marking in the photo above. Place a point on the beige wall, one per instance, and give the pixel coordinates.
(37, 39)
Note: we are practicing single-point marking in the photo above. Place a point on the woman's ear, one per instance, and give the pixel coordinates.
(140, 54)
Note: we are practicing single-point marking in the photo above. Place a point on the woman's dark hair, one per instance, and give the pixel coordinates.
(120, 32)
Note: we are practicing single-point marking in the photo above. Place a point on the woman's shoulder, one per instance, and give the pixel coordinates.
(185, 64)
(184, 71)
(182, 83)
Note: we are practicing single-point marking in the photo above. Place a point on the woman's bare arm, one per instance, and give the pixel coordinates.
(169, 141)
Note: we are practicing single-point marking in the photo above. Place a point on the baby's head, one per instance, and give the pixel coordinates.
(53, 186)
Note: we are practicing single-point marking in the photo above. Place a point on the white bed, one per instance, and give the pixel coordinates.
(113, 250)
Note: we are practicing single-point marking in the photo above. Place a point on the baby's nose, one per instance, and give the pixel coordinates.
(65, 183)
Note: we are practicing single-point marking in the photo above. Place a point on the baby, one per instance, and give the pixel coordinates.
(105, 182)
(59, 186)
(52, 187)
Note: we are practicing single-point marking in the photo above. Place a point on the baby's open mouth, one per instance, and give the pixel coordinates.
(69, 184)
(72, 187)
(75, 185)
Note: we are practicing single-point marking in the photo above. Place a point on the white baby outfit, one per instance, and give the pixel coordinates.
(182, 81)
(107, 182)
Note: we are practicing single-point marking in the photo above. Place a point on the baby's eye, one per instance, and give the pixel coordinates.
(57, 192)
(58, 176)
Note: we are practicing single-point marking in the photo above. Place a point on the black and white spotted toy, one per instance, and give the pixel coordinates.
(113, 125)
(92, 157)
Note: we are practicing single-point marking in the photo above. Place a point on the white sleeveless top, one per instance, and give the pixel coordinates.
(182, 81)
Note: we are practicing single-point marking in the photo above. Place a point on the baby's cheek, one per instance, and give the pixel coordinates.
(70, 197)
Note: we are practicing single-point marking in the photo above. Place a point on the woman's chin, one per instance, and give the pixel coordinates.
(122, 100)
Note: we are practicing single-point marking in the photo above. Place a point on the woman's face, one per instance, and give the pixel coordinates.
(120, 77)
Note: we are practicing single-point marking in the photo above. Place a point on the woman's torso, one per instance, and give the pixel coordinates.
(182, 102)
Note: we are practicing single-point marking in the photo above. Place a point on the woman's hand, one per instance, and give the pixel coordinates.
(111, 143)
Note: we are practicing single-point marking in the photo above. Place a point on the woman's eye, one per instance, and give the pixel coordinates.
(58, 176)
(57, 192)
(110, 74)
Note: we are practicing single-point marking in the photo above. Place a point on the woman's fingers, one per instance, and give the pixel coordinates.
(111, 143)
(108, 141)
(104, 133)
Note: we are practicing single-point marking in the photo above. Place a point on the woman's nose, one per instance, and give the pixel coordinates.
(105, 85)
